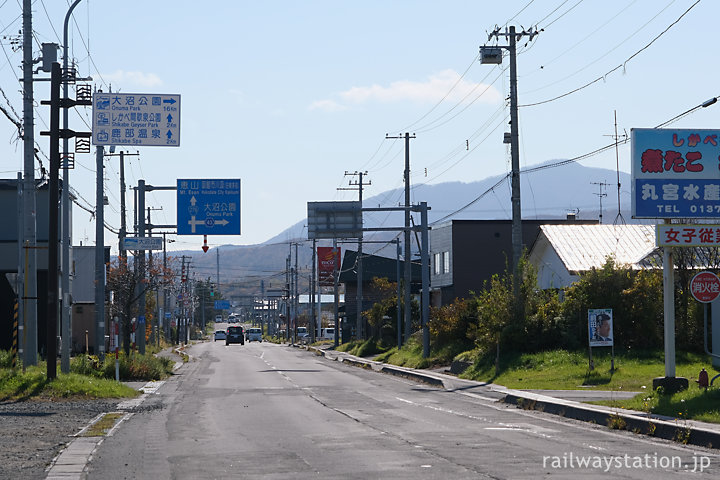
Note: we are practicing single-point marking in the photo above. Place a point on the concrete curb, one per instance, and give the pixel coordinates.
(682, 431)
(686, 432)
(412, 375)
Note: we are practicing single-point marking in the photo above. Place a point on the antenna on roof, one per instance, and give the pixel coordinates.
(601, 195)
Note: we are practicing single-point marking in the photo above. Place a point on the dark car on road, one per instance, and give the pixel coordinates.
(235, 334)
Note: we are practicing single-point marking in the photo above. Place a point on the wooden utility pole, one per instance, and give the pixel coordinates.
(359, 325)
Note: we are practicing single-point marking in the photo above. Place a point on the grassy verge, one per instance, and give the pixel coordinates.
(88, 377)
(565, 370)
(410, 355)
(691, 404)
(33, 383)
(364, 348)
(634, 371)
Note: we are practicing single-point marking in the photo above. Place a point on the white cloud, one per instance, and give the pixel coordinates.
(434, 89)
(123, 79)
(327, 105)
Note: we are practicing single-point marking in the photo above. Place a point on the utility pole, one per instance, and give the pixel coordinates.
(359, 325)
(29, 241)
(336, 278)
(55, 133)
(164, 290)
(296, 301)
(287, 297)
(493, 55)
(313, 291)
(408, 257)
(66, 316)
(123, 209)
(140, 260)
(217, 261)
(52, 312)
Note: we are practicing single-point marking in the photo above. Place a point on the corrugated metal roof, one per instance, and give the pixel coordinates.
(582, 247)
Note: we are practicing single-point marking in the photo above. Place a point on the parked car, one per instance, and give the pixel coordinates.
(328, 333)
(301, 331)
(235, 334)
(220, 335)
(254, 334)
(305, 339)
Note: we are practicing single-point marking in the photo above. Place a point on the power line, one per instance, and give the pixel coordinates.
(622, 65)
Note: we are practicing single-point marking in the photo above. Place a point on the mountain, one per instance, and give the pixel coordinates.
(546, 193)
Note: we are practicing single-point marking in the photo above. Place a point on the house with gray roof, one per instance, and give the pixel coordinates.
(561, 252)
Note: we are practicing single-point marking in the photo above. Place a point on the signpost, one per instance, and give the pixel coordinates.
(222, 305)
(674, 175)
(208, 206)
(143, 243)
(334, 220)
(600, 333)
(136, 119)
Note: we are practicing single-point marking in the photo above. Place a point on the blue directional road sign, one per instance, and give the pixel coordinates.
(136, 119)
(208, 207)
(222, 305)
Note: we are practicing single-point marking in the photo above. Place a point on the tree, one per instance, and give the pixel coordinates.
(127, 284)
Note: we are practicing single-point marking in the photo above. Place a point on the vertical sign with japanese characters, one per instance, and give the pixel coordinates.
(675, 173)
(328, 262)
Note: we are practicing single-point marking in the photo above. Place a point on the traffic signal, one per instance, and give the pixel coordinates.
(212, 290)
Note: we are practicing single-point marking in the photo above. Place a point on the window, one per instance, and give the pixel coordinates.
(446, 262)
(436, 261)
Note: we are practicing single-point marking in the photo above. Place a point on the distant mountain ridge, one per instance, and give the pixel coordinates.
(546, 193)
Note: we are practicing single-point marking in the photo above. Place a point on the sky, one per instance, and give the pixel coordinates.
(288, 96)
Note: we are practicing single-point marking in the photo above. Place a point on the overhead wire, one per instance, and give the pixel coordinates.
(622, 65)
(570, 160)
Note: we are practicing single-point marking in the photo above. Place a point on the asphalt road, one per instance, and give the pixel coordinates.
(271, 411)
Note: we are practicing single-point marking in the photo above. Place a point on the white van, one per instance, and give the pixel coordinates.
(302, 331)
(254, 334)
(328, 333)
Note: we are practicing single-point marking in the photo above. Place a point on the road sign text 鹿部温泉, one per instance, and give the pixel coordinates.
(136, 119)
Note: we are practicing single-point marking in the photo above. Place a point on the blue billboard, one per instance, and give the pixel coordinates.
(208, 207)
(675, 173)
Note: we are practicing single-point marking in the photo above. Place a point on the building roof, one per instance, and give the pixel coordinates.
(582, 247)
(375, 266)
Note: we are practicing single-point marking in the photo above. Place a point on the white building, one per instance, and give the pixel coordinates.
(562, 252)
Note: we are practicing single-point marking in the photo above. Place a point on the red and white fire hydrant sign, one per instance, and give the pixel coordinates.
(705, 287)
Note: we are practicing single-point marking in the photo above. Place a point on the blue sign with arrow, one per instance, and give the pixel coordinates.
(208, 206)
(136, 119)
(222, 305)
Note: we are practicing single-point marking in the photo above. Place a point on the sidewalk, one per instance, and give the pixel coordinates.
(564, 403)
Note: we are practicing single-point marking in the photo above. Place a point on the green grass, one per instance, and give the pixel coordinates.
(88, 377)
(565, 370)
(411, 354)
(569, 370)
(363, 348)
(634, 371)
(692, 404)
(33, 383)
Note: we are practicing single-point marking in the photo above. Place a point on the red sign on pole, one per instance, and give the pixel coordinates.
(705, 287)
(326, 265)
